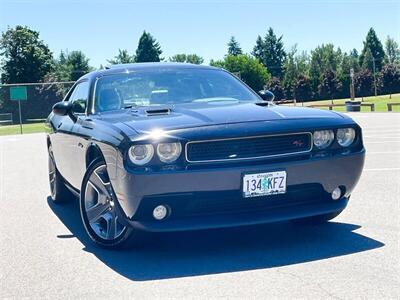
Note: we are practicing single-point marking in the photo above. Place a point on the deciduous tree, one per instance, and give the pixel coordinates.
(363, 82)
(187, 58)
(274, 85)
(302, 90)
(329, 86)
(392, 51)
(390, 79)
(26, 58)
(323, 58)
(295, 64)
(251, 70)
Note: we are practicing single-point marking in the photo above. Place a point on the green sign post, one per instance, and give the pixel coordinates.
(19, 93)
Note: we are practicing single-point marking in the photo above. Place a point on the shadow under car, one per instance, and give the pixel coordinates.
(193, 253)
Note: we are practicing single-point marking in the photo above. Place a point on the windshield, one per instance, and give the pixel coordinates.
(171, 86)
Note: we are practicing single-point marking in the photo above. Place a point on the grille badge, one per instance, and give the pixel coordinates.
(298, 143)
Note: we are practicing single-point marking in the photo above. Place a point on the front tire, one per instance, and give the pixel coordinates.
(58, 191)
(100, 210)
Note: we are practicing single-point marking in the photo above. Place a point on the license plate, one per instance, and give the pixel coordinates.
(264, 184)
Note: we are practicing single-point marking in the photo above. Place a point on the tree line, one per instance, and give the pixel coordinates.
(323, 73)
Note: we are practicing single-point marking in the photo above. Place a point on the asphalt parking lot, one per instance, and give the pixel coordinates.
(44, 252)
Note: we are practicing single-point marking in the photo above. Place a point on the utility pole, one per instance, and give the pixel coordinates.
(373, 66)
(352, 91)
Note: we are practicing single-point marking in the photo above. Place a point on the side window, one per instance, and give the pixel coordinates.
(79, 97)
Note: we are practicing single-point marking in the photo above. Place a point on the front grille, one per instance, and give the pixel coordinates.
(248, 147)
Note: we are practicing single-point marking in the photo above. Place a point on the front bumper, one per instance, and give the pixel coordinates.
(241, 219)
(212, 197)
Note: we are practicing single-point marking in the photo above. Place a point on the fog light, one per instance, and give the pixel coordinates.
(160, 212)
(336, 193)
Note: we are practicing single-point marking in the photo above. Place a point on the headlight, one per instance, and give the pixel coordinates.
(345, 136)
(141, 154)
(169, 152)
(323, 138)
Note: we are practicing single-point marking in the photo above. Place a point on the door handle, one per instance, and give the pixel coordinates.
(80, 145)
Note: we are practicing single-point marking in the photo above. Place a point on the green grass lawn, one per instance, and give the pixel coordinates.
(380, 103)
(26, 128)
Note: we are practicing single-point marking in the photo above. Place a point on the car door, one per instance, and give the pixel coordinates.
(67, 143)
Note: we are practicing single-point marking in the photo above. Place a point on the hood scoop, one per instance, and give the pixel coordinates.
(157, 112)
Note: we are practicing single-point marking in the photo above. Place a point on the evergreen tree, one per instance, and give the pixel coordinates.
(148, 50)
(354, 60)
(271, 53)
(354, 53)
(78, 64)
(258, 50)
(374, 45)
(234, 47)
(368, 61)
(123, 57)
(26, 58)
(392, 51)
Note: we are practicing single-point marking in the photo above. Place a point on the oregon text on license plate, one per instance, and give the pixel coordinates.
(262, 184)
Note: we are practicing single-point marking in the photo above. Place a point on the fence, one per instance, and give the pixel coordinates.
(6, 119)
(40, 99)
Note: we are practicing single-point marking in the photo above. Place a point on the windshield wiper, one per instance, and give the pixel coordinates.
(130, 106)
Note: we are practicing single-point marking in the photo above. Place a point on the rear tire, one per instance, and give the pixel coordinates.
(320, 219)
(100, 210)
(58, 191)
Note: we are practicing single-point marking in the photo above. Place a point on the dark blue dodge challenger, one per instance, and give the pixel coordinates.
(168, 147)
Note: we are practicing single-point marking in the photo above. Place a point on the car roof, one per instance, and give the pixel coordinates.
(119, 68)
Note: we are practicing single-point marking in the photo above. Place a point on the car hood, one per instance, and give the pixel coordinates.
(206, 114)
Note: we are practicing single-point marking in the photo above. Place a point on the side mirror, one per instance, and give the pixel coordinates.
(266, 95)
(62, 108)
